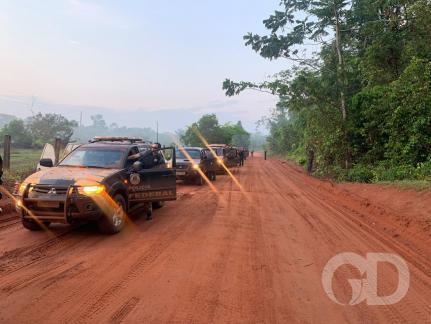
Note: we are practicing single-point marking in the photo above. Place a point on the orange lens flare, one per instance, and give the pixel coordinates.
(19, 204)
(197, 168)
(106, 204)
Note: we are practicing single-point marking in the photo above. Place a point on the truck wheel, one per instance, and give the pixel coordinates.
(158, 204)
(114, 223)
(33, 225)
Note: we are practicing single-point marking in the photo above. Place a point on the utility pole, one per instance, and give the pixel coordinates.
(33, 100)
(157, 131)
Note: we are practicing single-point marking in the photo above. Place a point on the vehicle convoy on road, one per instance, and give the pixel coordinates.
(193, 162)
(101, 181)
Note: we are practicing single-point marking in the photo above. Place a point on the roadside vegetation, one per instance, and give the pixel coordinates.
(35, 131)
(28, 138)
(215, 133)
(30, 135)
(355, 103)
(24, 162)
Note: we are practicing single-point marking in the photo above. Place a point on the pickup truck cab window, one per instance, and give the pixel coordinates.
(91, 157)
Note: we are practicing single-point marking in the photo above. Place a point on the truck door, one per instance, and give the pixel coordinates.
(47, 153)
(155, 184)
(69, 148)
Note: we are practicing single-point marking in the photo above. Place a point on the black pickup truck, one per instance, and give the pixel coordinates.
(193, 163)
(101, 181)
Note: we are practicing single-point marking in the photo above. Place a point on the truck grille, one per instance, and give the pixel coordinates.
(47, 189)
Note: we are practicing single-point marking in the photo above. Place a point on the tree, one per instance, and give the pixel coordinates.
(409, 124)
(45, 128)
(16, 128)
(98, 121)
(288, 33)
(209, 127)
(362, 98)
(236, 134)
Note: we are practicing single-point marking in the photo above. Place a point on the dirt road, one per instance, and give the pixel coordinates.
(252, 255)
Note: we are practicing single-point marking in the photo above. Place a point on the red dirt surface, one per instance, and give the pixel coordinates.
(237, 256)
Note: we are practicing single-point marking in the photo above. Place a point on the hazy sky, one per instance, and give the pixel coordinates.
(149, 55)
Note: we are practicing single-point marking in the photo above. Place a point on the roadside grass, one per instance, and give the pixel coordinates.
(23, 163)
(408, 184)
(403, 176)
(24, 159)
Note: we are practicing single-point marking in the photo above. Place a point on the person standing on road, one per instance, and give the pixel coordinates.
(252, 152)
(241, 158)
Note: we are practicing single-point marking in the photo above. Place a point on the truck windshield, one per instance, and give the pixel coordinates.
(194, 154)
(218, 151)
(94, 157)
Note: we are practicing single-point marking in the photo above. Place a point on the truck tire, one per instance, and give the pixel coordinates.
(213, 176)
(114, 223)
(33, 225)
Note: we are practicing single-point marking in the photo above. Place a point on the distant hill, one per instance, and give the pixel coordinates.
(5, 119)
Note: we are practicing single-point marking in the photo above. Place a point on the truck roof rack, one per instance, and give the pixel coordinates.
(131, 140)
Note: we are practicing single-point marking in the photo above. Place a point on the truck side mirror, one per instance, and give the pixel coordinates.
(47, 163)
(137, 166)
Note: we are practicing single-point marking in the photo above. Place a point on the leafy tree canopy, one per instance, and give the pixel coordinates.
(213, 132)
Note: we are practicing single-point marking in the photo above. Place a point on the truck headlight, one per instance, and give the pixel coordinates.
(219, 161)
(22, 188)
(91, 190)
(195, 166)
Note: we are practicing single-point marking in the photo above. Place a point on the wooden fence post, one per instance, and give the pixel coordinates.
(6, 152)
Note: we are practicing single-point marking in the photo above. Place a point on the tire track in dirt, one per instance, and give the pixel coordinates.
(18, 259)
(142, 264)
(125, 309)
(363, 232)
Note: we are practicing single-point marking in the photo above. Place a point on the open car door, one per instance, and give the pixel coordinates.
(157, 183)
(69, 148)
(47, 153)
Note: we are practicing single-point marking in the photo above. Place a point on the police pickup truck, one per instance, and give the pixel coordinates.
(226, 155)
(101, 181)
(195, 162)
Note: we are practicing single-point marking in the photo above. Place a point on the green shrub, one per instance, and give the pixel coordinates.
(360, 173)
(388, 172)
